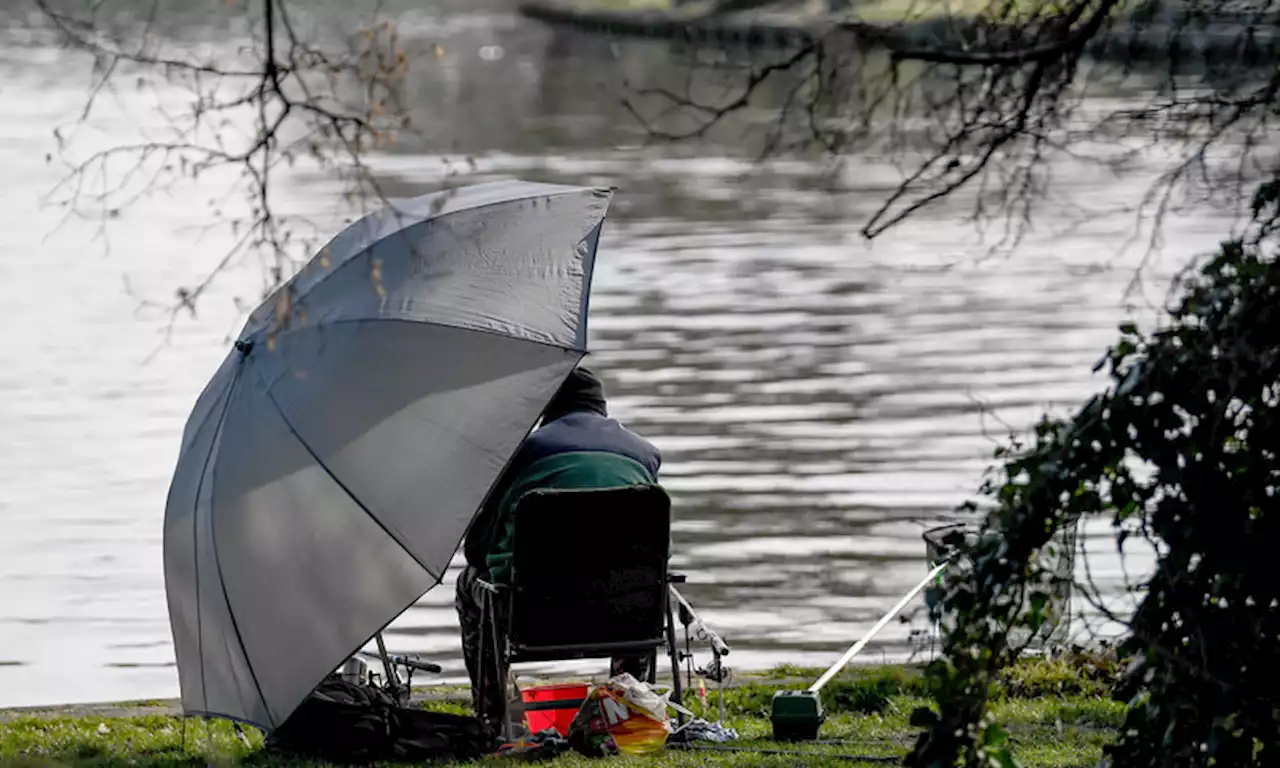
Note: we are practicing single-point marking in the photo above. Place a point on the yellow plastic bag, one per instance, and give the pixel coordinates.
(622, 716)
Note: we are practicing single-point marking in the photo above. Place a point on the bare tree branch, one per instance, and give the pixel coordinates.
(329, 106)
(990, 103)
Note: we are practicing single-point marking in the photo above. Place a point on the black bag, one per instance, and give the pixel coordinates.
(351, 723)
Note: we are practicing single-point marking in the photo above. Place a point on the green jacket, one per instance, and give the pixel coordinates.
(575, 470)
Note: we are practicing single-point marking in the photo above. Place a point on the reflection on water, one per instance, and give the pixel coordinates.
(819, 401)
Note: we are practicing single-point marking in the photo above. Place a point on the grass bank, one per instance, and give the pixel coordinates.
(899, 24)
(869, 10)
(1057, 713)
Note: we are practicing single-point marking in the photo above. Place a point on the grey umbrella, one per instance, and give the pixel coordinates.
(331, 467)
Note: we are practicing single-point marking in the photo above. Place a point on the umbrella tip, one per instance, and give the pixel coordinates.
(244, 347)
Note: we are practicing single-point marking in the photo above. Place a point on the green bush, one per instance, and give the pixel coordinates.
(1180, 453)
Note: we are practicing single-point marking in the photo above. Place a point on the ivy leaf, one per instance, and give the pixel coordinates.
(995, 735)
(1037, 617)
(1002, 758)
(1131, 380)
(1266, 195)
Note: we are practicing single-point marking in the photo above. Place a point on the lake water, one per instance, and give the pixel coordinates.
(819, 401)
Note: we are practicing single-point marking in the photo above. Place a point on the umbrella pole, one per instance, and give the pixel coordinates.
(392, 680)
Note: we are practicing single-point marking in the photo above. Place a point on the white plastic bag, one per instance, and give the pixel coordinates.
(642, 697)
(622, 716)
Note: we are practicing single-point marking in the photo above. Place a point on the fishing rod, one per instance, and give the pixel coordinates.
(398, 690)
(858, 646)
(697, 629)
(798, 714)
(690, 618)
(407, 662)
(788, 752)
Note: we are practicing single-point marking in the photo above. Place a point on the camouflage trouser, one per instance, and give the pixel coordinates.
(479, 651)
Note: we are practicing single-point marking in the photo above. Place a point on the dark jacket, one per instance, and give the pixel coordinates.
(581, 449)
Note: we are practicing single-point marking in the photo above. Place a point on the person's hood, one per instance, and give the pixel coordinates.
(581, 391)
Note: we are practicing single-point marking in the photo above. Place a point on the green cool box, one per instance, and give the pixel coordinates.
(797, 715)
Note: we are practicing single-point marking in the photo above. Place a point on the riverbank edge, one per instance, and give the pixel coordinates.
(458, 694)
(1059, 711)
(1076, 671)
(1127, 39)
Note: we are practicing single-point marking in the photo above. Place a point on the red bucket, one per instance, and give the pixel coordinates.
(559, 718)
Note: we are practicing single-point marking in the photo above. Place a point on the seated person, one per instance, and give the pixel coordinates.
(577, 446)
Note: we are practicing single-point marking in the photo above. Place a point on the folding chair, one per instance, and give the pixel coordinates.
(589, 580)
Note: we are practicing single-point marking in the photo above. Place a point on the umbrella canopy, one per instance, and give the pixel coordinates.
(331, 467)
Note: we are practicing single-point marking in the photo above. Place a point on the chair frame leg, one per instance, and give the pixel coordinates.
(501, 670)
(674, 654)
(486, 618)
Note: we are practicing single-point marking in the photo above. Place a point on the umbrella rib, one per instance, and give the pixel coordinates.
(204, 421)
(316, 458)
(195, 531)
(217, 563)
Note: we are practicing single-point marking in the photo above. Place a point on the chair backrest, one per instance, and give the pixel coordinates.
(590, 569)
